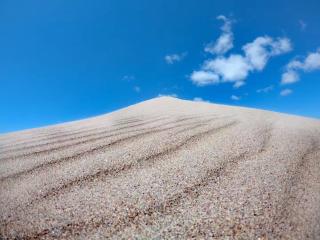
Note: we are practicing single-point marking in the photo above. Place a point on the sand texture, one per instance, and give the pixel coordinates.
(164, 169)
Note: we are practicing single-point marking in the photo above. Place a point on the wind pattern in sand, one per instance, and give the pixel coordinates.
(164, 168)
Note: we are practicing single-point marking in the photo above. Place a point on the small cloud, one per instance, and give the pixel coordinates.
(203, 78)
(261, 49)
(235, 98)
(302, 25)
(225, 42)
(168, 95)
(238, 84)
(173, 58)
(137, 89)
(199, 99)
(231, 69)
(289, 77)
(310, 63)
(286, 92)
(266, 89)
(128, 78)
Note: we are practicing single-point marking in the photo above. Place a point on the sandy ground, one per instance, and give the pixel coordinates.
(164, 169)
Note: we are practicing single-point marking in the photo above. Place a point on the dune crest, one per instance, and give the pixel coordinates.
(164, 168)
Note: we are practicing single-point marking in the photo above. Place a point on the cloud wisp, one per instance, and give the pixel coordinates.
(199, 99)
(286, 92)
(266, 89)
(235, 98)
(292, 72)
(235, 68)
(225, 42)
(137, 89)
(203, 78)
(168, 95)
(128, 78)
(174, 58)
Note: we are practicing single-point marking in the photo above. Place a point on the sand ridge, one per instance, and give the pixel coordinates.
(167, 169)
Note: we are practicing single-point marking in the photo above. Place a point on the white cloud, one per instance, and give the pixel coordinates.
(286, 92)
(309, 64)
(199, 99)
(137, 89)
(238, 84)
(312, 62)
(280, 46)
(235, 98)
(266, 89)
(173, 58)
(256, 52)
(225, 42)
(261, 49)
(128, 78)
(235, 68)
(168, 95)
(231, 69)
(290, 77)
(202, 78)
(226, 27)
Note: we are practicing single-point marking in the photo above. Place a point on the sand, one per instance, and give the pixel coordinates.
(164, 169)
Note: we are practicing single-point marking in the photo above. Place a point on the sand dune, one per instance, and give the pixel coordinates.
(164, 168)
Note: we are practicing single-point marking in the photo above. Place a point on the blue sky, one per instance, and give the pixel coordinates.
(67, 60)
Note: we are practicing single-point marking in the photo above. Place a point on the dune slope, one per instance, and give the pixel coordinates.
(164, 168)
